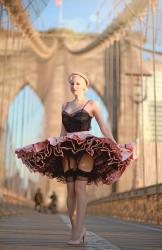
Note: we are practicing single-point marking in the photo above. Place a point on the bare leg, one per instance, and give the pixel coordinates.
(71, 203)
(71, 196)
(85, 164)
(81, 200)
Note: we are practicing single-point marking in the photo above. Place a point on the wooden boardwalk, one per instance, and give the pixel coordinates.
(51, 232)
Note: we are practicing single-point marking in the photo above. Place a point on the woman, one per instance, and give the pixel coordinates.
(78, 158)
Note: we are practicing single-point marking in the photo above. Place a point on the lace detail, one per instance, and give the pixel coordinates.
(70, 175)
(79, 120)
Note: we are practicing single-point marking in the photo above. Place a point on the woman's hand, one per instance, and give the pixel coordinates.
(112, 138)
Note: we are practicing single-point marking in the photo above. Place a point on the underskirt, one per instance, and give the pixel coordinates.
(110, 159)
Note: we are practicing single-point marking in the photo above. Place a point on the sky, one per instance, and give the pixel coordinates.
(78, 15)
(91, 16)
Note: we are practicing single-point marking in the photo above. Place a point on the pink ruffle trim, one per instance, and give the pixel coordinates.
(110, 159)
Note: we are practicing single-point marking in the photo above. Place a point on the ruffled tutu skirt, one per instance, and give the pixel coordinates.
(109, 159)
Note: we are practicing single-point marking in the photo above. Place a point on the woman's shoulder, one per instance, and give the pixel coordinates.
(64, 105)
(95, 107)
(93, 102)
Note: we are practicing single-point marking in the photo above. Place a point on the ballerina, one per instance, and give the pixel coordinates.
(77, 157)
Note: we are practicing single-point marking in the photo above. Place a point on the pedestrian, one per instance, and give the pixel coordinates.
(38, 199)
(53, 203)
(77, 157)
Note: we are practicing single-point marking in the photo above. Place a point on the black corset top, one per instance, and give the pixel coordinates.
(76, 121)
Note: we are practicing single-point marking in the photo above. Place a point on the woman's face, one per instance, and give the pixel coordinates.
(77, 85)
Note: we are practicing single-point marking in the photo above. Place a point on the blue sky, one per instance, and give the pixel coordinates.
(24, 125)
(79, 15)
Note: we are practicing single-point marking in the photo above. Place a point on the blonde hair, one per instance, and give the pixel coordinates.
(79, 74)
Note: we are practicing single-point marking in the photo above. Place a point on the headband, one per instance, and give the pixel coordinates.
(81, 75)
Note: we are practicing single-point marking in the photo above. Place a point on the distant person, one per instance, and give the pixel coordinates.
(38, 199)
(77, 157)
(53, 203)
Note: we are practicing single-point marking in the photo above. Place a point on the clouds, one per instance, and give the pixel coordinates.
(77, 24)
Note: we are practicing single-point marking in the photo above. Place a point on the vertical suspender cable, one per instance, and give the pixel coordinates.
(155, 112)
(133, 108)
(6, 33)
(2, 87)
(141, 117)
(15, 100)
(124, 101)
(7, 96)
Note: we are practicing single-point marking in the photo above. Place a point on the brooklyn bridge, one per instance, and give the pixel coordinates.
(120, 51)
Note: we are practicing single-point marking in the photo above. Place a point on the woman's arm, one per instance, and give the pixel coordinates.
(63, 131)
(97, 112)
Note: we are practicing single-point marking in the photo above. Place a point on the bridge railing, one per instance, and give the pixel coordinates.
(12, 203)
(142, 204)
